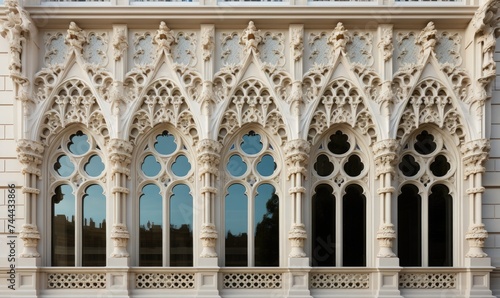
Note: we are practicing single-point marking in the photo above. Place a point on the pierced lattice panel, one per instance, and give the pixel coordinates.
(427, 280)
(76, 281)
(252, 281)
(339, 281)
(164, 281)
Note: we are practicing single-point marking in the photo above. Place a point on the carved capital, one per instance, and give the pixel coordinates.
(120, 156)
(296, 155)
(385, 156)
(208, 236)
(30, 155)
(251, 38)
(164, 38)
(30, 236)
(385, 237)
(475, 154)
(120, 237)
(209, 156)
(476, 236)
(297, 236)
(75, 37)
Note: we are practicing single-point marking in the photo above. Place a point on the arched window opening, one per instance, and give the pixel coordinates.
(354, 227)
(323, 226)
(251, 205)
(410, 226)
(440, 226)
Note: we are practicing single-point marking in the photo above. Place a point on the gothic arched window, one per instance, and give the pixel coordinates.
(425, 202)
(251, 202)
(165, 172)
(338, 202)
(78, 204)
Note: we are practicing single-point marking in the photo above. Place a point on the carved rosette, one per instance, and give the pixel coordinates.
(296, 155)
(120, 156)
(297, 237)
(208, 238)
(475, 154)
(30, 236)
(385, 237)
(120, 237)
(385, 156)
(476, 237)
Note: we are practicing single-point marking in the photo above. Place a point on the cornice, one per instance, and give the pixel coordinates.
(135, 16)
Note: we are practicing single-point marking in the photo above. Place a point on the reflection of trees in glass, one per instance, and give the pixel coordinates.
(236, 249)
(267, 235)
(181, 245)
(150, 244)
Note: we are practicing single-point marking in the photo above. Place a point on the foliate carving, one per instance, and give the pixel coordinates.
(371, 81)
(341, 102)
(207, 42)
(339, 38)
(136, 81)
(448, 48)
(96, 48)
(427, 39)
(56, 49)
(163, 102)
(385, 237)
(46, 80)
(252, 280)
(486, 21)
(231, 48)
(209, 156)
(191, 80)
(403, 82)
(385, 156)
(120, 237)
(296, 99)
(272, 49)
(427, 280)
(74, 103)
(15, 28)
(296, 156)
(225, 81)
(385, 44)
(313, 82)
(251, 38)
(475, 153)
(165, 281)
(207, 98)
(252, 103)
(75, 37)
(406, 49)
(144, 53)
(462, 84)
(359, 50)
(297, 43)
(430, 103)
(30, 155)
(102, 80)
(476, 236)
(30, 236)
(184, 49)
(281, 81)
(318, 52)
(208, 236)
(120, 43)
(164, 38)
(297, 237)
(76, 280)
(339, 281)
(120, 156)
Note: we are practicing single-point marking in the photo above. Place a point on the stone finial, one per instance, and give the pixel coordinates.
(75, 37)
(339, 38)
(251, 38)
(164, 37)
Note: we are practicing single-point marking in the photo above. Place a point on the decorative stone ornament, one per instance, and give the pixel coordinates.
(120, 43)
(75, 37)
(385, 44)
(385, 237)
(339, 38)
(164, 38)
(251, 38)
(207, 42)
(297, 43)
(30, 236)
(476, 236)
(427, 38)
(120, 236)
(297, 237)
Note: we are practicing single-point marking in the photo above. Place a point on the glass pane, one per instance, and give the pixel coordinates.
(251, 143)
(323, 166)
(236, 166)
(165, 143)
(266, 166)
(181, 226)
(150, 226)
(181, 166)
(236, 217)
(63, 226)
(408, 166)
(409, 226)
(323, 226)
(79, 143)
(425, 143)
(266, 226)
(440, 226)
(94, 166)
(353, 166)
(440, 166)
(64, 167)
(150, 166)
(354, 227)
(94, 227)
(339, 143)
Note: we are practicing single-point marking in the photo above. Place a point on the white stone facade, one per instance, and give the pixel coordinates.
(382, 108)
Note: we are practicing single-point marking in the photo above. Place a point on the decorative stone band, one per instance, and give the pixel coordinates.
(253, 280)
(165, 280)
(76, 280)
(427, 281)
(339, 281)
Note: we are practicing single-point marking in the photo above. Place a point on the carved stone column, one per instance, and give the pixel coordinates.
(385, 157)
(297, 153)
(120, 159)
(208, 160)
(30, 155)
(475, 154)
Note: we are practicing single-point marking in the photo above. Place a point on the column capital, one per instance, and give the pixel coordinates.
(297, 155)
(30, 236)
(30, 155)
(475, 154)
(385, 155)
(476, 236)
(120, 237)
(209, 156)
(297, 235)
(385, 237)
(208, 236)
(120, 155)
